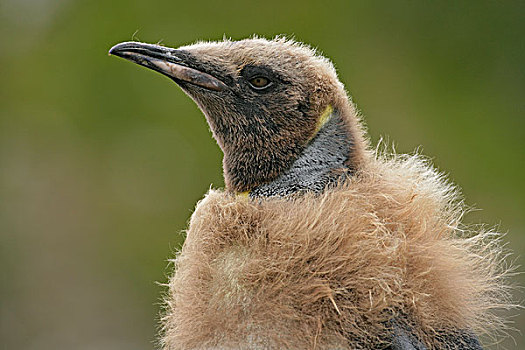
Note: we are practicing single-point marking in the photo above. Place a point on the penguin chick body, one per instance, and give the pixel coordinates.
(362, 266)
(317, 242)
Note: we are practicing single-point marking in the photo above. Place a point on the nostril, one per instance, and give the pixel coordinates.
(174, 56)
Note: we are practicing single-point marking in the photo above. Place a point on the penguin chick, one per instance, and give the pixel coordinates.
(317, 241)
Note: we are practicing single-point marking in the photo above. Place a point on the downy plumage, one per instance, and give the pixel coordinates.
(318, 241)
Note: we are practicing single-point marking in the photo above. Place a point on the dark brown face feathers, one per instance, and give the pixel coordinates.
(262, 131)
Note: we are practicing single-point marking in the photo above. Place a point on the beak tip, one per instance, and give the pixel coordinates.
(117, 49)
(113, 51)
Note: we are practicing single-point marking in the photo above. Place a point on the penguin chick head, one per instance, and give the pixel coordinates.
(264, 100)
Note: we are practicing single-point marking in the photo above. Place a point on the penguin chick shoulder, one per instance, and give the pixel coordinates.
(317, 242)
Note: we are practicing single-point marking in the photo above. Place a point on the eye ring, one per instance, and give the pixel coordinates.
(260, 82)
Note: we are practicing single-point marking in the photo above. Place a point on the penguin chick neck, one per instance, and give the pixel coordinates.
(323, 162)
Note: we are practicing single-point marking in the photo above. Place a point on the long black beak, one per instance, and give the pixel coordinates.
(166, 61)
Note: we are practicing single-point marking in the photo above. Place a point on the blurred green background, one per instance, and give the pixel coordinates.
(102, 161)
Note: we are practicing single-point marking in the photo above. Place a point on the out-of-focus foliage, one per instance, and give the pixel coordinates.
(101, 161)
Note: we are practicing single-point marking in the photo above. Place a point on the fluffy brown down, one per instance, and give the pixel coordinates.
(329, 271)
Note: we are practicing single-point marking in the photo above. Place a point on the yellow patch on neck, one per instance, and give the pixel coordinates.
(323, 119)
(245, 194)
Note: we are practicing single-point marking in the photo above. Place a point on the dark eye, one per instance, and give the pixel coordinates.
(260, 82)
